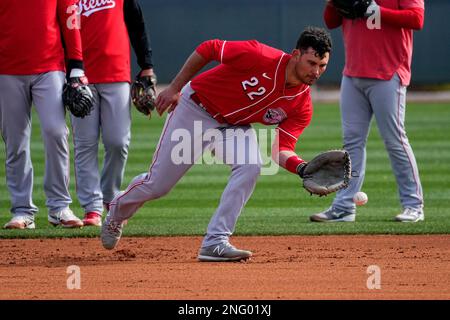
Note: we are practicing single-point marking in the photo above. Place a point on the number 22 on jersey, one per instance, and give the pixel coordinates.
(250, 86)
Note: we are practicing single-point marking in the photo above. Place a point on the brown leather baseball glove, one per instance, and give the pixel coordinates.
(143, 94)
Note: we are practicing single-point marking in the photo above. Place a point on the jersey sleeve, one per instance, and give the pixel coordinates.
(408, 4)
(135, 22)
(69, 22)
(290, 129)
(242, 55)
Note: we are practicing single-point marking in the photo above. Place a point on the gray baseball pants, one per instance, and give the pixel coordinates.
(17, 93)
(231, 144)
(362, 98)
(111, 118)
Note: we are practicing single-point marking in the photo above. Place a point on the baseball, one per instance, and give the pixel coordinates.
(360, 198)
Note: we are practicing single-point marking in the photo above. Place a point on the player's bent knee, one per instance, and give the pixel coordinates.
(117, 146)
(353, 137)
(394, 145)
(252, 170)
(55, 132)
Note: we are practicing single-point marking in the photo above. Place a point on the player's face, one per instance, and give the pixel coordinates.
(310, 66)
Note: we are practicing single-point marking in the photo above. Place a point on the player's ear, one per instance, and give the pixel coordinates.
(296, 53)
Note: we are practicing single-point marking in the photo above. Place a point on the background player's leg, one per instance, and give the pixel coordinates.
(115, 127)
(356, 114)
(47, 97)
(238, 148)
(164, 172)
(15, 122)
(388, 100)
(86, 138)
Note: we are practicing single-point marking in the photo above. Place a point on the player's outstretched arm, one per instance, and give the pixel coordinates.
(286, 159)
(168, 98)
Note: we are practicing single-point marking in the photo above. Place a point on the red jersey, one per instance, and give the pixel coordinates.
(379, 53)
(248, 86)
(106, 46)
(30, 36)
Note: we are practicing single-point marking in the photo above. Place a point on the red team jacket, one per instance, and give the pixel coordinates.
(248, 86)
(106, 45)
(30, 36)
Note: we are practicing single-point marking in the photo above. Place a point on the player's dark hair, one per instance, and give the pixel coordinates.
(317, 38)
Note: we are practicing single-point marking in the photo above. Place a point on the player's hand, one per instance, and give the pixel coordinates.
(167, 99)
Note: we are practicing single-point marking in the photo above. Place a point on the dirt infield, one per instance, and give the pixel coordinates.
(292, 267)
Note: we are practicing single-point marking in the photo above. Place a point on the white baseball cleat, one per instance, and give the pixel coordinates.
(65, 218)
(410, 215)
(21, 222)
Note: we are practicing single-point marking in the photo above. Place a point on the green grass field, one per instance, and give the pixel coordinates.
(279, 204)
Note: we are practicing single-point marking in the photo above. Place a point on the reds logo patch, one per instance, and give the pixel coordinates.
(273, 116)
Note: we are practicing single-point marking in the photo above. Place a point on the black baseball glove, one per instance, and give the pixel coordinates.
(326, 173)
(77, 97)
(352, 9)
(143, 94)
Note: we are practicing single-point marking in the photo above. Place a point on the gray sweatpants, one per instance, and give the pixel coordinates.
(111, 118)
(236, 146)
(361, 98)
(17, 93)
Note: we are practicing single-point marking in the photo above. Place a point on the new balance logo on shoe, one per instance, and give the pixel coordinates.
(222, 252)
(218, 250)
